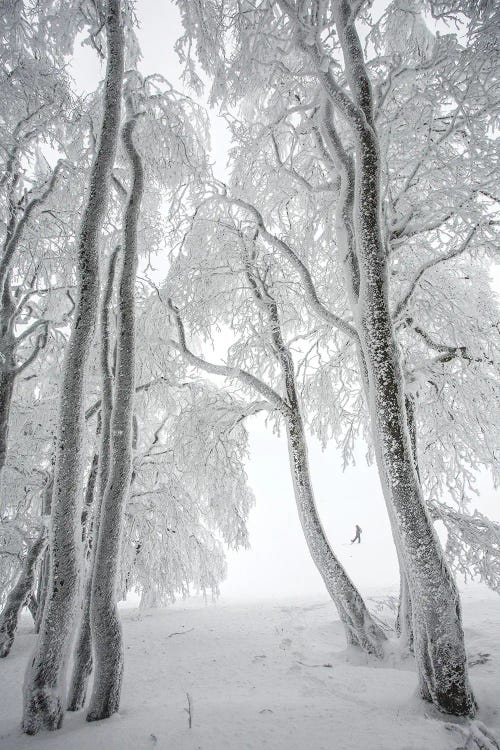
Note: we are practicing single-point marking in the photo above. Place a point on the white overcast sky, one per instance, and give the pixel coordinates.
(278, 563)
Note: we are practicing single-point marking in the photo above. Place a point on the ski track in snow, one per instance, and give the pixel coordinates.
(244, 667)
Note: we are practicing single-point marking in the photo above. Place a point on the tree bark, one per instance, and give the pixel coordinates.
(404, 618)
(82, 657)
(104, 619)
(7, 368)
(19, 595)
(44, 684)
(43, 575)
(438, 633)
(360, 628)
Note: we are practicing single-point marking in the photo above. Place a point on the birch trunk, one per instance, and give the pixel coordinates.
(19, 595)
(438, 633)
(44, 688)
(82, 657)
(104, 620)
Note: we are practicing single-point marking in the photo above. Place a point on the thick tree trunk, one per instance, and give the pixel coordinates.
(82, 657)
(104, 619)
(439, 640)
(438, 634)
(19, 595)
(44, 700)
(439, 643)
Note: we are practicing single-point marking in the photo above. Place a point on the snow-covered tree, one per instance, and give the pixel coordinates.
(303, 79)
(43, 702)
(239, 288)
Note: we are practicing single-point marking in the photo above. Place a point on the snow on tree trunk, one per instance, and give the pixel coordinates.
(404, 618)
(439, 641)
(44, 684)
(104, 620)
(6, 390)
(360, 628)
(7, 370)
(82, 657)
(19, 595)
(43, 574)
(438, 633)
(43, 582)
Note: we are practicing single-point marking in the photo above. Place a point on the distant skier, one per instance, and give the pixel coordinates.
(358, 535)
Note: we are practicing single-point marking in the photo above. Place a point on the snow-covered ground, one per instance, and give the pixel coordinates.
(270, 675)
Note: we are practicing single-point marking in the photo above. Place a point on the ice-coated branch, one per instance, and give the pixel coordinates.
(12, 241)
(235, 373)
(403, 303)
(325, 187)
(92, 410)
(40, 344)
(307, 42)
(312, 296)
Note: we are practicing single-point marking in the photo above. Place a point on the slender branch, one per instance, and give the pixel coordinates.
(41, 343)
(10, 246)
(92, 410)
(234, 373)
(29, 330)
(312, 296)
(403, 303)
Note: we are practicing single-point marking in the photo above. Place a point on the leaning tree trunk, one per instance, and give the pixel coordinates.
(360, 628)
(404, 618)
(104, 619)
(44, 684)
(82, 660)
(438, 633)
(439, 640)
(19, 595)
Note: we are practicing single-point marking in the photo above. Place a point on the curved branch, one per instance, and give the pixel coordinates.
(12, 243)
(41, 343)
(234, 373)
(312, 296)
(403, 303)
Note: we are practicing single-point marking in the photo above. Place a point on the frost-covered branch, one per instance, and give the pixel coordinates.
(310, 290)
(403, 303)
(235, 373)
